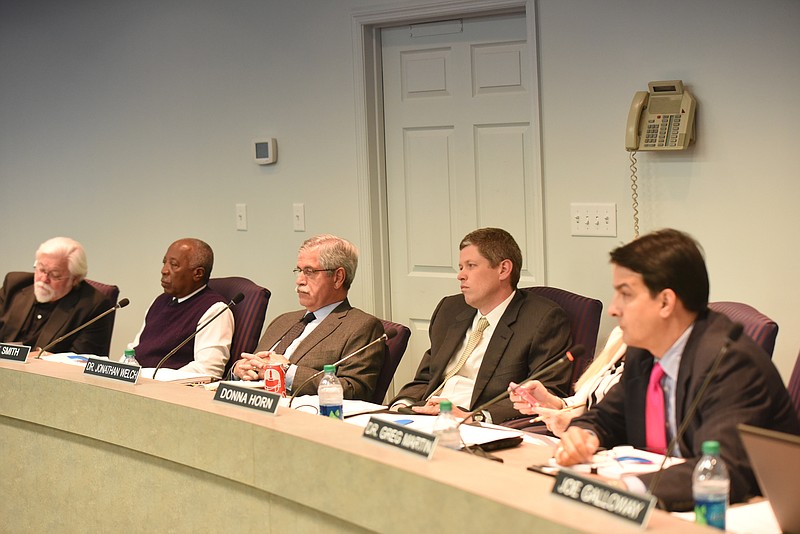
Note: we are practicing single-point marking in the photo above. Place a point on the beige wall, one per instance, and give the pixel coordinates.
(128, 125)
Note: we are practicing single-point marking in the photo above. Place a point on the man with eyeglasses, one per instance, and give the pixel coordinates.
(327, 329)
(37, 308)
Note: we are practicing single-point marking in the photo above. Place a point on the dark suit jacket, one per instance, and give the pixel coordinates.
(746, 389)
(345, 330)
(75, 308)
(532, 333)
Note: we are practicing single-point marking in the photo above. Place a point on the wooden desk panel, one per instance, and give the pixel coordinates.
(86, 453)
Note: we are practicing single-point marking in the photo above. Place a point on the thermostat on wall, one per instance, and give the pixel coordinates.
(266, 151)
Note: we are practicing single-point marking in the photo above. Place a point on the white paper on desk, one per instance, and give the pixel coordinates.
(172, 375)
(470, 434)
(310, 403)
(624, 461)
(745, 518)
(71, 358)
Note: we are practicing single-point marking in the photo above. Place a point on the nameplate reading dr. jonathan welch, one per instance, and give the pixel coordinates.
(15, 353)
(592, 492)
(401, 437)
(255, 399)
(123, 372)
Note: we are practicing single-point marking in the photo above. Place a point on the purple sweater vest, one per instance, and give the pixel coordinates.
(167, 326)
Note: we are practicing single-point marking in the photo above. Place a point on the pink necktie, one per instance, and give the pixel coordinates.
(655, 422)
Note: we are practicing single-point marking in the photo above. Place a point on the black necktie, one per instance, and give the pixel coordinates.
(293, 333)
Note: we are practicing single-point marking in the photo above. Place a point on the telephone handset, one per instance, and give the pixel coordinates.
(661, 118)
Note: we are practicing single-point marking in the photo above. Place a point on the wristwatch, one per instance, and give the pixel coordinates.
(479, 417)
(285, 367)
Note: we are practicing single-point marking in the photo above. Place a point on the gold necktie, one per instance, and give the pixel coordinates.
(472, 342)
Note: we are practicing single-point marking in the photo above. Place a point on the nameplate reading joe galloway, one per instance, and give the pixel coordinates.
(591, 492)
(255, 399)
(408, 439)
(15, 353)
(123, 372)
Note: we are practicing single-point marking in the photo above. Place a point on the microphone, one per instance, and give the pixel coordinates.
(733, 335)
(234, 301)
(389, 334)
(121, 304)
(576, 351)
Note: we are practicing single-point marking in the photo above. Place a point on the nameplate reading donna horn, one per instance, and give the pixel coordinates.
(114, 370)
(255, 399)
(401, 437)
(15, 353)
(591, 492)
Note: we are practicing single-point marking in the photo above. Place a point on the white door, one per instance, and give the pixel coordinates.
(459, 156)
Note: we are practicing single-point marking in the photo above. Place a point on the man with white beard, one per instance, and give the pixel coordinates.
(37, 308)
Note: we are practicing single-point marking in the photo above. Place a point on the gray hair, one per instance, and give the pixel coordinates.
(70, 249)
(334, 252)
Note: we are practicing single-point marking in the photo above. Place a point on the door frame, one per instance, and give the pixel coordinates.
(370, 149)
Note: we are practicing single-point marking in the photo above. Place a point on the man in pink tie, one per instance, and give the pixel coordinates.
(661, 302)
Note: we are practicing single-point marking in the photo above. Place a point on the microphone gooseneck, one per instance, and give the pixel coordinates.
(576, 351)
(733, 335)
(389, 334)
(234, 301)
(121, 304)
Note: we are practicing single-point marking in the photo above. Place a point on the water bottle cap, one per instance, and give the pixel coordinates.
(445, 406)
(129, 352)
(328, 368)
(711, 447)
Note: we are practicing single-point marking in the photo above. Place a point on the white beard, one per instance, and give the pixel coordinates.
(43, 292)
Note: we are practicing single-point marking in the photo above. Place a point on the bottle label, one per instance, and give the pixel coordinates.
(711, 512)
(334, 411)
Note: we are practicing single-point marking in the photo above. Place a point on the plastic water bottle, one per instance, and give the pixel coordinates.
(330, 394)
(129, 357)
(446, 426)
(711, 487)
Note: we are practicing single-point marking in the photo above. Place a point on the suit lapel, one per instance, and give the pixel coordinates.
(322, 331)
(497, 346)
(59, 317)
(450, 344)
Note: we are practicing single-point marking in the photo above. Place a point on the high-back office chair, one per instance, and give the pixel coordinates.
(757, 326)
(112, 293)
(248, 315)
(584, 315)
(794, 386)
(393, 353)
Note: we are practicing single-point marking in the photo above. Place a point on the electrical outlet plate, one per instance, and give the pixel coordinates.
(241, 217)
(595, 220)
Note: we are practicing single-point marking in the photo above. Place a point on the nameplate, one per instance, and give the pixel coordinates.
(399, 436)
(114, 370)
(591, 492)
(15, 353)
(255, 399)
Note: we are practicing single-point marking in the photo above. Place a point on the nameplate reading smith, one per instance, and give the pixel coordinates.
(255, 399)
(592, 492)
(114, 370)
(401, 437)
(15, 353)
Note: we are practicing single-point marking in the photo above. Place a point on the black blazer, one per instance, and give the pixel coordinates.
(75, 308)
(532, 333)
(746, 389)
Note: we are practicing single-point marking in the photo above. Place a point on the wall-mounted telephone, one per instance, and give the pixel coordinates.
(661, 118)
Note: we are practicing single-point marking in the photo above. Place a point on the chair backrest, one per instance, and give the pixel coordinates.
(584, 315)
(112, 293)
(248, 315)
(757, 326)
(393, 353)
(794, 386)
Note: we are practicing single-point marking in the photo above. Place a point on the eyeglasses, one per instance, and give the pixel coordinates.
(308, 272)
(52, 275)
